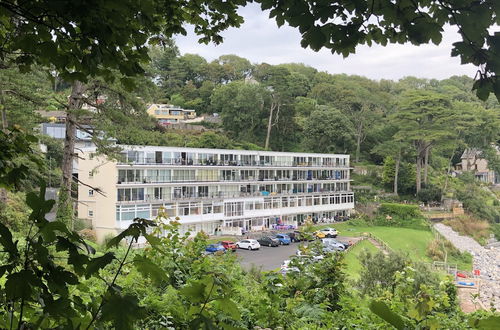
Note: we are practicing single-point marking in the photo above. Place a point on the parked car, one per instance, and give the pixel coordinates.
(326, 233)
(228, 245)
(213, 248)
(332, 242)
(283, 238)
(268, 241)
(249, 244)
(294, 237)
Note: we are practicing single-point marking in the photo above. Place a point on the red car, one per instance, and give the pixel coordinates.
(229, 245)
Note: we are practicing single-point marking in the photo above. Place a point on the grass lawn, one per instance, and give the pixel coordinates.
(353, 266)
(411, 241)
(217, 239)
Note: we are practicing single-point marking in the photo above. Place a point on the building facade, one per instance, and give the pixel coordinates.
(472, 160)
(212, 190)
(170, 114)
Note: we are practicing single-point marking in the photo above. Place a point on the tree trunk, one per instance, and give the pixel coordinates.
(396, 173)
(65, 211)
(3, 191)
(445, 186)
(426, 162)
(419, 168)
(4, 112)
(269, 125)
(358, 141)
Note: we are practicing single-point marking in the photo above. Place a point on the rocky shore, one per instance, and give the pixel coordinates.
(485, 260)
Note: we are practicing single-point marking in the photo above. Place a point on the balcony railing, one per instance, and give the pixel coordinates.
(223, 194)
(236, 178)
(214, 162)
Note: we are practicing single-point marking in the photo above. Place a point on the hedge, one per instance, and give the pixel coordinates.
(401, 211)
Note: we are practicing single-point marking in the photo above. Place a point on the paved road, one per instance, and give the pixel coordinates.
(270, 258)
(266, 258)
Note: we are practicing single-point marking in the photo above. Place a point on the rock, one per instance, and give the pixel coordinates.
(486, 260)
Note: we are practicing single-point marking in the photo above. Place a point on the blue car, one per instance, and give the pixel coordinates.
(213, 248)
(284, 239)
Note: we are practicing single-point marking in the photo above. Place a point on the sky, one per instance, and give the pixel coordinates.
(260, 40)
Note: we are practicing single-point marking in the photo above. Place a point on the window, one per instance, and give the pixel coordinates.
(91, 192)
(91, 213)
(91, 174)
(207, 208)
(233, 209)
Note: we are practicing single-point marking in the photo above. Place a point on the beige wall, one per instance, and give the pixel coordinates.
(104, 177)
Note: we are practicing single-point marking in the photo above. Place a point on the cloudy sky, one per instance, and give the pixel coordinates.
(260, 40)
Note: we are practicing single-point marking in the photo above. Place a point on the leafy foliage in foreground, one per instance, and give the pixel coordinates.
(53, 278)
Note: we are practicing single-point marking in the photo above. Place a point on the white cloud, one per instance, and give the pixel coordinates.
(260, 40)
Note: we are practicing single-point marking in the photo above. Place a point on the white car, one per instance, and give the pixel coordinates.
(329, 232)
(249, 244)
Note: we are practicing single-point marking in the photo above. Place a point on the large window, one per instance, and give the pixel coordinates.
(184, 175)
(130, 194)
(233, 209)
(130, 175)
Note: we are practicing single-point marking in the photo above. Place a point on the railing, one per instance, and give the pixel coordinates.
(214, 162)
(237, 178)
(222, 194)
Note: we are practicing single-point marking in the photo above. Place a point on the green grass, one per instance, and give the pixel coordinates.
(217, 239)
(353, 266)
(414, 242)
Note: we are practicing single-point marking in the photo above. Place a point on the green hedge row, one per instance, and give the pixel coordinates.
(400, 211)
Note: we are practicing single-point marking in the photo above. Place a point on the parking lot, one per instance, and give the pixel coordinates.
(270, 258)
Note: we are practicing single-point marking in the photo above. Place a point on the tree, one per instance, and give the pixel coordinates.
(423, 119)
(343, 26)
(241, 106)
(328, 131)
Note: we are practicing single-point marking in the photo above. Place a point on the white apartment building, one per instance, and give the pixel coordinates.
(212, 189)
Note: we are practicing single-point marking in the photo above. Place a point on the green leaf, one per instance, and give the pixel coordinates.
(7, 242)
(48, 230)
(95, 264)
(488, 323)
(122, 311)
(382, 310)
(194, 291)
(19, 285)
(149, 269)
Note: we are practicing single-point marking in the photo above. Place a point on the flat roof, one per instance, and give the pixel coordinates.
(209, 150)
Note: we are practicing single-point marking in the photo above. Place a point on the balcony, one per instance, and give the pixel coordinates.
(233, 163)
(226, 195)
(236, 178)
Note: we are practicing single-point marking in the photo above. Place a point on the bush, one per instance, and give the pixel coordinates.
(430, 193)
(469, 226)
(401, 211)
(495, 228)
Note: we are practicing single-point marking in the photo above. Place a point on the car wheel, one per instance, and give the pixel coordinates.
(249, 248)
(237, 246)
(281, 243)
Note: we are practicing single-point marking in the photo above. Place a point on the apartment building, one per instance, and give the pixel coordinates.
(212, 190)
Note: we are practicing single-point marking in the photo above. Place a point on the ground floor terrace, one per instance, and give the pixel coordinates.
(244, 225)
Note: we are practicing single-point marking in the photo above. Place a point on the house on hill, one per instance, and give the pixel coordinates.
(473, 161)
(167, 114)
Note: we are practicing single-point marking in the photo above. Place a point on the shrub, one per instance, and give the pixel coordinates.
(470, 226)
(430, 193)
(401, 211)
(495, 228)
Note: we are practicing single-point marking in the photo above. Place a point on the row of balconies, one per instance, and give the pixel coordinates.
(215, 162)
(224, 195)
(156, 179)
